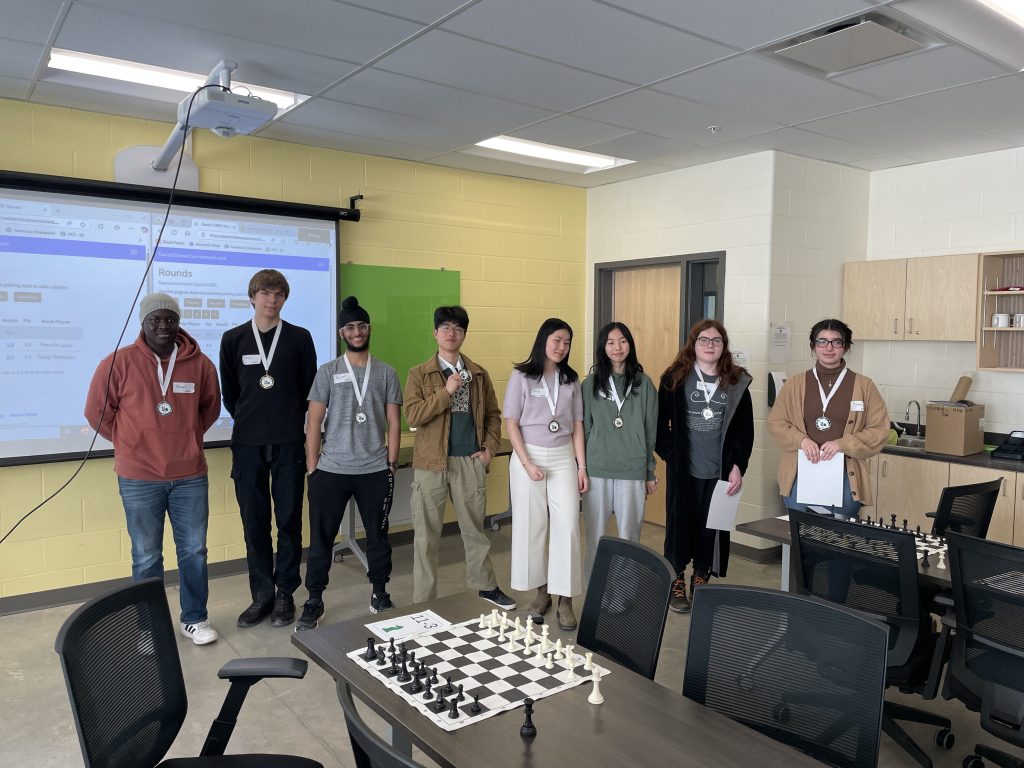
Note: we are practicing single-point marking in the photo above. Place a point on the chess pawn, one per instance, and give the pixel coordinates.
(942, 560)
(558, 650)
(527, 642)
(501, 634)
(595, 696)
(550, 663)
(517, 631)
(572, 669)
(494, 618)
(588, 663)
(483, 621)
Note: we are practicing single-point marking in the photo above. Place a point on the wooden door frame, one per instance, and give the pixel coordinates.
(604, 280)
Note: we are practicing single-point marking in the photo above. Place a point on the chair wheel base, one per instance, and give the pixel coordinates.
(944, 738)
(973, 761)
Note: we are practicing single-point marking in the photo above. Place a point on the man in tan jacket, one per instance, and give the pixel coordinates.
(450, 401)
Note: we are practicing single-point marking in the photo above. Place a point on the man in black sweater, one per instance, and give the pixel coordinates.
(267, 367)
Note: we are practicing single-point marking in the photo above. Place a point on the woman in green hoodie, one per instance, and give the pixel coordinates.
(620, 424)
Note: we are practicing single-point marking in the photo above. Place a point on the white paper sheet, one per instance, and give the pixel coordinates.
(820, 483)
(402, 627)
(722, 513)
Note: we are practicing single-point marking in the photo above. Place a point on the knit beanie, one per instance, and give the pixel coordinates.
(155, 301)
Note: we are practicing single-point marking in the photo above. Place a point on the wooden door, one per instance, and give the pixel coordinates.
(647, 300)
(874, 298)
(942, 298)
(1001, 528)
(908, 488)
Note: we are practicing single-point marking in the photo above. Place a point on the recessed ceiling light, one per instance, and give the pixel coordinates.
(1011, 9)
(157, 77)
(549, 153)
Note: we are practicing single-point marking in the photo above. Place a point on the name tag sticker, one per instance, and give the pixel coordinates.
(856, 405)
(184, 388)
(536, 392)
(341, 378)
(250, 360)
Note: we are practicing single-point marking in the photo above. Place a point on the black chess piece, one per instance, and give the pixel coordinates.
(918, 532)
(412, 658)
(869, 519)
(404, 676)
(433, 676)
(529, 730)
(461, 696)
(381, 656)
(475, 707)
(448, 689)
(905, 528)
(440, 703)
(428, 694)
(893, 522)
(538, 620)
(453, 712)
(391, 645)
(417, 684)
(403, 652)
(371, 651)
(924, 560)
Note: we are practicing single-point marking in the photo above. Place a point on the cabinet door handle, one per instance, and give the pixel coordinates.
(895, 327)
(911, 326)
(885, 465)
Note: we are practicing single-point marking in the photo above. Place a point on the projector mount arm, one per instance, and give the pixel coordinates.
(219, 75)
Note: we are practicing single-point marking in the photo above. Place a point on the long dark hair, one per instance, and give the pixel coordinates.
(533, 366)
(728, 371)
(601, 370)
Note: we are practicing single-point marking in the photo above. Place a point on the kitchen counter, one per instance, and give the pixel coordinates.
(982, 459)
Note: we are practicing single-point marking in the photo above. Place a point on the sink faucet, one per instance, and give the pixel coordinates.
(914, 402)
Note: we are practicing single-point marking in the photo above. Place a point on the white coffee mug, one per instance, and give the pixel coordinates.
(1000, 320)
(1018, 321)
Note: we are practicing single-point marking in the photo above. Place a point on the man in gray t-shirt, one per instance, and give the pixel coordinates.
(358, 398)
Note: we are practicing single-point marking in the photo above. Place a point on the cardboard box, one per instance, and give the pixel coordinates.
(957, 430)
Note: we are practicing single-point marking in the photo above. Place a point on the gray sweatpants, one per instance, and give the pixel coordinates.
(623, 497)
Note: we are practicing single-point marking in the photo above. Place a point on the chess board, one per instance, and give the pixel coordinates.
(484, 666)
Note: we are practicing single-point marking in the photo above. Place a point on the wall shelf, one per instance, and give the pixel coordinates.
(1000, 349)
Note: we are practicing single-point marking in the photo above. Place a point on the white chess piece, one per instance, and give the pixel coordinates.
(589, 663)
(544, 642)
(595, 696)
(511, 644)
(527, 642)
(483, 621)
(540, 653)
(494, 618)
(550, 664)
(942, 560)
(501, 635)
(572, 669)
(529, 632)
(504, 618)
(517, 631)
(558, 650)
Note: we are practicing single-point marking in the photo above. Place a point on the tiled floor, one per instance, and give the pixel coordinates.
(302, 717)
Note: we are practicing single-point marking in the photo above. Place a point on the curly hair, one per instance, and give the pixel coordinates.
(680, 368)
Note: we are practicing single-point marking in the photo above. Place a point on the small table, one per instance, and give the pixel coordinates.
(777, 529)
(640, 724)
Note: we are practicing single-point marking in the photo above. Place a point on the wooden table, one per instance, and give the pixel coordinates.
(777, 529)
(640, 724)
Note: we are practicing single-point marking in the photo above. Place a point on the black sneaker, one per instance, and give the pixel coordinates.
(284, 610)
(312, 613)
(679, 602)
(498, 597)
(254, 614)
(381, 602)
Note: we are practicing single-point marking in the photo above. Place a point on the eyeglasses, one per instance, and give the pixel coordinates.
(458, 330)
(835, 343)
(356, 327)
(709, 341)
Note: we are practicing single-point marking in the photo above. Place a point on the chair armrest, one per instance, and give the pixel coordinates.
(259, 668)
(930, 514)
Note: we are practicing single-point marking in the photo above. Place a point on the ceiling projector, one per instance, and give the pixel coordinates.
(225, 113)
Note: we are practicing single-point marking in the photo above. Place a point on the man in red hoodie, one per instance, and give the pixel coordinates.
(154, 400)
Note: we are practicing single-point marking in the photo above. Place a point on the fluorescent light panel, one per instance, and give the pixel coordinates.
(157, 77)
(591, 161)
(1011, 9)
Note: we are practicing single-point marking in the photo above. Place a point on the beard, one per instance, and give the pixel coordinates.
(360, 348)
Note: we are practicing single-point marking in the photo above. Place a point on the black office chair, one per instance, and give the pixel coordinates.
(874, 570)
(369, 749)
(120, 658)
(754, 654)
(986, 666)
(626, 606)
(966, 509)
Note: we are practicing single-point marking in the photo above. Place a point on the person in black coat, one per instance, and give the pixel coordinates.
(705, 435)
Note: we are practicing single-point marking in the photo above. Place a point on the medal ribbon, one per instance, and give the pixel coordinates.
(445, 365)
(821, 390)
(265, 357)
(615, 395)
(704, 388)
(552, 403)
(360, 393)
(165, 381)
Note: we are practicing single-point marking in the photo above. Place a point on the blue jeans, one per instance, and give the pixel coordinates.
(187, 504)
(850, 508)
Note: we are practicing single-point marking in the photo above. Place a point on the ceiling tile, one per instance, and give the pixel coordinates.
(992, 107)
(569, 131)
(362, 121)
(424, 11)
(612, 175)
(641, 146)
(500, 167)
(19, 59)
(13, 88)
(803, 143)
(410, 96)
(62, 95)
(890, 128)
(31, 22)
(741, 23)
(884, 162)
(674, 118)
(930, 70)
(581, 33)
(442, 57)
(367, 145)
(974, 146)
(753, 85)
(321, 27)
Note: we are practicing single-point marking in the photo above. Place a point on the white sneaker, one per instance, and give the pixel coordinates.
(199, 632)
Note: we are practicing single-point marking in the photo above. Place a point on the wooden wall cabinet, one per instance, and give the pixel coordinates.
(1002, 526)
(1000, 349)
(908, 488)
(932, 298)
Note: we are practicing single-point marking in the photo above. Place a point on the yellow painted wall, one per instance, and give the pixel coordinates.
(518, 245)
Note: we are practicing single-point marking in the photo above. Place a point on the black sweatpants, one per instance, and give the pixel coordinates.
(687, 536)
(329, 494)
(265, 473)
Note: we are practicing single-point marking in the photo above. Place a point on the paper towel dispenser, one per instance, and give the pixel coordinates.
(775, 381)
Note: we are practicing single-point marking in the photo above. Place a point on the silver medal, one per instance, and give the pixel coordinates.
(360, 417)
(553, 426)
(266, 381)
(465, 375)
(617, 422)
(822, 423)
(164, 408)
(708, 414)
